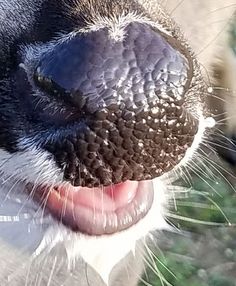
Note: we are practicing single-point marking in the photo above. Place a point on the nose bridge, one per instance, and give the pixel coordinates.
(94, 71)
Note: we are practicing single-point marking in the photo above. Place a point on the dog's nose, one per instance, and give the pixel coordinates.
(130, 97)
(94, 71)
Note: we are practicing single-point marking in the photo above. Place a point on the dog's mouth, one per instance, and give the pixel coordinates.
(101, 210)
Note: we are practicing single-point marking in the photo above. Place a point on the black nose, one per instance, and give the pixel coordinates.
(93, 71)
(130, 97)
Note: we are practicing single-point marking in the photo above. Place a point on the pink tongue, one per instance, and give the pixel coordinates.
(104, 199)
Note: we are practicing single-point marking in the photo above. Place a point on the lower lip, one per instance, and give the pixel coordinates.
(80, 217)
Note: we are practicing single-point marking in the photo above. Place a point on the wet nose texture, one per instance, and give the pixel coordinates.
(129, 97)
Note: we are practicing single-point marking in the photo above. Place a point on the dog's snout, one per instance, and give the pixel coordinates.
(130, 97)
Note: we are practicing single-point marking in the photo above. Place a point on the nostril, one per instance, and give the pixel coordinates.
(92, 70)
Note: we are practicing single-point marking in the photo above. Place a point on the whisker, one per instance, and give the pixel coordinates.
(176, 7)
(155, 258)
(218, 145)
(193, 169)
(196, 221)
(52, 271)
(215, 204)
(215, 38)
(214, 166)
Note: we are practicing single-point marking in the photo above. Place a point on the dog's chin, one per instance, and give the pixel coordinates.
(93, 221)
(45, 234)
(101, 251)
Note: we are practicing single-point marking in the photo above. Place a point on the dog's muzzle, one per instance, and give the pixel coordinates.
(124, 115)
(113, 113)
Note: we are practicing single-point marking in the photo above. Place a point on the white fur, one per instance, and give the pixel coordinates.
(204, 123)
(31, 165)
(116, 24)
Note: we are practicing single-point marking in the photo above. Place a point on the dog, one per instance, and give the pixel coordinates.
(102, 104)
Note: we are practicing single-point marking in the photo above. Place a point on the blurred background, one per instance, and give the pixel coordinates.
(201, 248)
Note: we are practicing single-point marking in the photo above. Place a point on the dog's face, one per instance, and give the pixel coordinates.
(98, 101)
